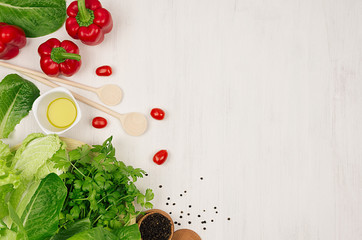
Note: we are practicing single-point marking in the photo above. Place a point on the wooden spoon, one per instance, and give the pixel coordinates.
(135, 124)
(109, 94)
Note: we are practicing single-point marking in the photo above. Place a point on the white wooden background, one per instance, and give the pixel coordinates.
(263, 101)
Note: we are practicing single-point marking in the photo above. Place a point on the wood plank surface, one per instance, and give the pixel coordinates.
(263, 102)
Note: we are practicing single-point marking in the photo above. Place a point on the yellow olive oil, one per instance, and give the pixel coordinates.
(61, 112)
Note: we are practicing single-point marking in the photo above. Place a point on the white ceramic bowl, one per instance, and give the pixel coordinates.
(41, 104)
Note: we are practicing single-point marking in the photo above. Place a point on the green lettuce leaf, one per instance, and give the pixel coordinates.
(4, 191)
(97, 233)
(72, 229)
(36, 18)
(41, 216)
(9, 178)
(8, 175)
(6, 234)
(33, 155)
(131, 232)
(16, 99)
(32, 162)
(21, 231)
(5, 153)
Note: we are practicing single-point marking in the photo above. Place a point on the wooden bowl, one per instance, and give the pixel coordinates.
(165, 214)
(185, 234)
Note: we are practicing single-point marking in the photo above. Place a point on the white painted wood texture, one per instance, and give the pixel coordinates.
(263, 101)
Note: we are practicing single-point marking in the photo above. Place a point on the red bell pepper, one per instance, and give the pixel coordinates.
(88, 21)
(59, 57)
(12, 38)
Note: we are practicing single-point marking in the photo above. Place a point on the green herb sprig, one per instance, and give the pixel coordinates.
(100, 188)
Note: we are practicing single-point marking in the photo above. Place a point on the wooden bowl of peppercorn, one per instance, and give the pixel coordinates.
(156, 225)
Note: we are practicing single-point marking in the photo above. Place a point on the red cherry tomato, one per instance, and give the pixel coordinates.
(158, 113)
(99, 122)
(160, 157)
(104, 71)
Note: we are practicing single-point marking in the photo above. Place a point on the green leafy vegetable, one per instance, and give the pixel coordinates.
(128, 233)
(97, 233)
(100, 187)
(36, 18)
(32, 162)
(9, 178)
(21, 232)
(72, 229)
(7, 234)
(41, 216)
(16, 99)
(5, 153)
(33, 155)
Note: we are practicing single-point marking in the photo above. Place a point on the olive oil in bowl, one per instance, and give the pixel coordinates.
(56, 111)
(61, 112)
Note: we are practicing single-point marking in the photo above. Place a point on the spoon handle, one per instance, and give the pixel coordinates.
(39, 74)
(79, 97)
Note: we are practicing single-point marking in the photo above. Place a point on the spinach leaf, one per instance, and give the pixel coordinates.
(97, 233)
(41, 216)
(131, 232)
(72, 229)
(36, 18)
(16, 99)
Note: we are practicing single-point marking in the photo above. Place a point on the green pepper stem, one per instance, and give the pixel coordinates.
(84, 15)
(67, 55)
(59, 55)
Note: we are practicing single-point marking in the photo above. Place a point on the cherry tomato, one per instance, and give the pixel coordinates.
(104, 71)
(158, 113)
(99, 122)
(160, 157)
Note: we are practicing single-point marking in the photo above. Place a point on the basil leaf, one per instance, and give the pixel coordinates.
(128, 233)
(16, 99)
(41, 216)
(72, 229)
(36, 18)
